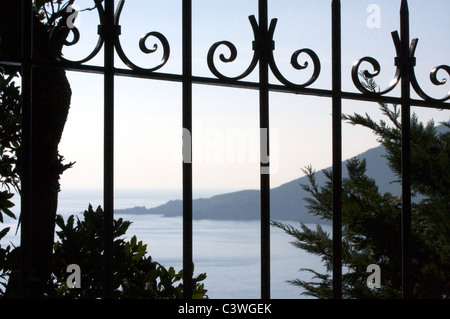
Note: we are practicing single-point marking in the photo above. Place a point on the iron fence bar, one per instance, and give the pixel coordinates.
(337, 148)
(26, 149)
(264, 50)
(406, 65)
(187, 165)
(108, 166)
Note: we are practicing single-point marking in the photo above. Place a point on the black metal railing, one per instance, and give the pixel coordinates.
(263, 48)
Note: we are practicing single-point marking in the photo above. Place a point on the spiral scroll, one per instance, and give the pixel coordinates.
(405, 62)
(294, 62)
(142, 45)
(376, 71)
(435, 81)
(233, 55)
(55, 37)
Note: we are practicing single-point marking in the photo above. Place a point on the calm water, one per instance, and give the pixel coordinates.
(227, 251)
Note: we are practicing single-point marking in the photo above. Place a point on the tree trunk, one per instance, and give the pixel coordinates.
(51, 97)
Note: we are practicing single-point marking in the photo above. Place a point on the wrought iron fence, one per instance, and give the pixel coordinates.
(109, 31)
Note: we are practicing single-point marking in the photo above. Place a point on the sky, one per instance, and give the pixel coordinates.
(148, 113)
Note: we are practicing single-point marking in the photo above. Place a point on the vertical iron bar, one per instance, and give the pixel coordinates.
(26, 147)
(187, 166)
(337, 148)
(406, 151)
(108, 166)
(264, 148)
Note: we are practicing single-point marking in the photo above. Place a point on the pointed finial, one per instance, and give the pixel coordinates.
(335, 2)
(404, 7)
(404, 24)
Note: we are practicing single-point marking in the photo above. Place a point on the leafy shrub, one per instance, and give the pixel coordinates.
(136, 275)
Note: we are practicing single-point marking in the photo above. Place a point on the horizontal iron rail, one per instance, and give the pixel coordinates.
(235, 84)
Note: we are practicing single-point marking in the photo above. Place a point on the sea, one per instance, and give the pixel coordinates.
(227, 251)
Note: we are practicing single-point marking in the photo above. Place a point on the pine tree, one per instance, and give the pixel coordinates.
(372, 221)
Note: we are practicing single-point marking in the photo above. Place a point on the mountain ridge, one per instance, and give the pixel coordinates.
(287, 200)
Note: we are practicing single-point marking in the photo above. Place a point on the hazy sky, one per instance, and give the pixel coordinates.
(225, 121)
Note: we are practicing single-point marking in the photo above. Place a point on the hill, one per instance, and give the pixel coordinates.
(286, 200)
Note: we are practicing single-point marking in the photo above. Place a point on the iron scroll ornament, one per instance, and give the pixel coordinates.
(260, 43)
(117, 31)
(142, 45)
(404, 63)
(233, 54)
(56, 31)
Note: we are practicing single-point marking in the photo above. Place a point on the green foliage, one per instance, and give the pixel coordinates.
(136, 275)
(372, 221)
(10, 128)
(4, 271)
(6, 204)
